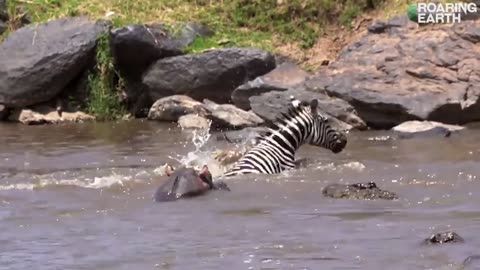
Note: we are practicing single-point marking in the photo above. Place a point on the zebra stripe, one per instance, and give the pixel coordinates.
(275, 150)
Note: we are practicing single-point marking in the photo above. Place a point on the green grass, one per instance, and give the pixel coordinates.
(260, 23)
(349, 13)
(104, 85)
(266, 24)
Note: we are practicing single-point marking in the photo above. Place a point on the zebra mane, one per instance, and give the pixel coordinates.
(294, 107)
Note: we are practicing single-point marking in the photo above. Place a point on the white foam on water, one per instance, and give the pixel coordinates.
(48, 181)
(20, 186)
(354, 165)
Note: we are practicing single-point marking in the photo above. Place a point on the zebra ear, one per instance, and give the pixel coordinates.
(294, 102)
(314, 106)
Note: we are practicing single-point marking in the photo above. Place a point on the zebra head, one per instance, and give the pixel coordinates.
(323, 134)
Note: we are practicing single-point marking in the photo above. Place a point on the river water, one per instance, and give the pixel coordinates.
(80, 197)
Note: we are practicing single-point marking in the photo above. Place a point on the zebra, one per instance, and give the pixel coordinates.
(274, 151)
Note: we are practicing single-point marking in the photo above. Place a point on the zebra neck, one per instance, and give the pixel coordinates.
(286, 140)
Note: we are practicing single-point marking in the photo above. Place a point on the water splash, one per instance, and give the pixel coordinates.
(202, 155)
(200, 138)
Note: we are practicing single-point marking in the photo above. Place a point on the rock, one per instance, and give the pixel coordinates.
(431, 73)
(222, 116)
(243, 135)
(382, 27)
(41, 114)
(426, 128)
(229, 116)
(172, 107)
(186, 182)
(471, 15)
(189, 32)
(399, 21)
(444, 237)
(468, 32)
(377, 27)
(136, 47)
(3, 11)
(75, 95)
(281, 59)
(268, 106)
(3, 112)
(282, 78)
(359, 191)
(3, 27)
(38, 61)
(138, 100)
(213, 74)
(193, 121)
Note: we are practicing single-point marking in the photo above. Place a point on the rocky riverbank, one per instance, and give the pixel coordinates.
(396, 72)
(3, 16)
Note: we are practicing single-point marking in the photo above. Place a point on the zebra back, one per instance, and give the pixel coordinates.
(275, 151)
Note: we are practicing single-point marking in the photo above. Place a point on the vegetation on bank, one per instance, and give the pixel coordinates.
(266, 24)
(104, 85)
(260, 23)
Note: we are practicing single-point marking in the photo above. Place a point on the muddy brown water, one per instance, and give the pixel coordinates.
(80, 197)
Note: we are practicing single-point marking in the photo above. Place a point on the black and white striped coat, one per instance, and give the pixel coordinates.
(275, 151)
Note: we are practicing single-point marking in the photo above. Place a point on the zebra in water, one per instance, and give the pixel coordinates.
(275, 150)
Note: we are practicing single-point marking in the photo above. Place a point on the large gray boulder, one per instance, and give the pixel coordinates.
(136, 47)
(411, 128)
(173, 107)
(405, 73)
(242, 136)
(38, 61)
(222, 116)
(229, 116)
(213, 74)
(283, 77)
(269, 105)
(193, 121)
